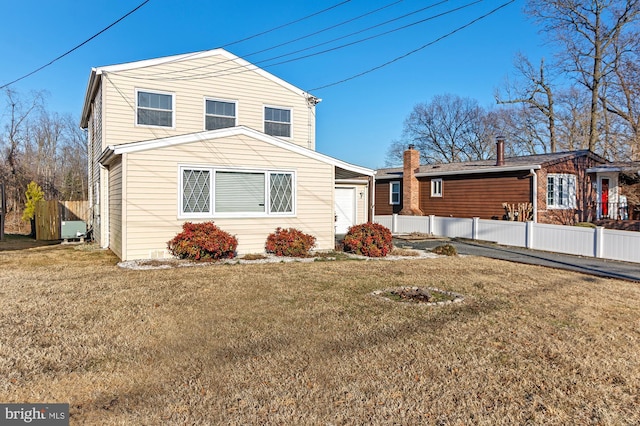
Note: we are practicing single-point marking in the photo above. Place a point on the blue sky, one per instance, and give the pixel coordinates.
(356, 120)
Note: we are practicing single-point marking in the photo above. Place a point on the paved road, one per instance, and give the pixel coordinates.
(587, 265)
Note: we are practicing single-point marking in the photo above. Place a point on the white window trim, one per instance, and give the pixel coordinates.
(433, 188)
(391, 185)
(156, 92)
(264, 119)
(196, 215)
(212, 213)
(572, 197)
(211, 98)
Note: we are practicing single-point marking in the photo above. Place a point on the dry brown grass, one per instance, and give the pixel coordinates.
(306, 343)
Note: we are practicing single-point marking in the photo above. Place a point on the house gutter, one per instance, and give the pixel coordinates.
(478, 171)
(107, 156)
(92, 87)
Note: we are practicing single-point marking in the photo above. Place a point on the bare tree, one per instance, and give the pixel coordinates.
(446, 129)
(586, 32)
(623, 99)
(45, 147)
(523, 127)
(12, 141)
(534, 90)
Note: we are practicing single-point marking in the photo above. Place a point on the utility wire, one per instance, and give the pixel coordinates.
(415, 50)
(76, 47)
(287, 24)
(245, 68)
(182, 58)
(281, 44)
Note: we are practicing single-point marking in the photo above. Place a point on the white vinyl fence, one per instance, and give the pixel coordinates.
(593, 242)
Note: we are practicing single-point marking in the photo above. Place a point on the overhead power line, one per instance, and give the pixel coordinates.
(183, 57)
(331, 27)
(415, 50)
(287, 24)
(76, 47)
(246, 68)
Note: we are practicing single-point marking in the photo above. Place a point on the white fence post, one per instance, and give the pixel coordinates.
(394, 223)
(529, 235)
(474, 228)
(432, 224)
(599, 241)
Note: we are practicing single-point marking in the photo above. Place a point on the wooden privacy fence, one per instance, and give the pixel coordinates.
(50, 214)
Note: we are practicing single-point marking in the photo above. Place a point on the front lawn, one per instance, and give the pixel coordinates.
(306, 343)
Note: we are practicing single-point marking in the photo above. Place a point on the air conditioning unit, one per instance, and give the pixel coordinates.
(73, 229)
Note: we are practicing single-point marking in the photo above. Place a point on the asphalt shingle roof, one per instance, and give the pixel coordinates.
(484, 165)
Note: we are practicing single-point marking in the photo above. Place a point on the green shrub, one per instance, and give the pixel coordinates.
(33, 194)
(368, 239)
(203, 241)
(290, 242)
(586, 225)
(445, 250)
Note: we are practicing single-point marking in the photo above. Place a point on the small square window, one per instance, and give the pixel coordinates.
(277, 122)
(154, 109)
(436, 187)
(219, 114)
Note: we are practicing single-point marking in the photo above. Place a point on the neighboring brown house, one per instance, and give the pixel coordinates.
(556, 187)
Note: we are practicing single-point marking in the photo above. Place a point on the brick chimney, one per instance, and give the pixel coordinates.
(410, 184)
(500, 151)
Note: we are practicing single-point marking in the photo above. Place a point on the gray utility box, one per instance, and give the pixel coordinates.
(73, 229)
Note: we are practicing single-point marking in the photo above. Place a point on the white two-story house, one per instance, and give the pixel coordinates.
(208, 136)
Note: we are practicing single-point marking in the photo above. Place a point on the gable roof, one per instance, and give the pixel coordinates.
(114, 150)
(525, 162)
(95, 78)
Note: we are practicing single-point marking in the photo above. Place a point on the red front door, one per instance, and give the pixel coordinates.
(604, 197)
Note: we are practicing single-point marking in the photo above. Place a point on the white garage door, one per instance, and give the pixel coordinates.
(345, 209)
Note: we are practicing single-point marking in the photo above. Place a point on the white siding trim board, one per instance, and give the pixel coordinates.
(113, 150)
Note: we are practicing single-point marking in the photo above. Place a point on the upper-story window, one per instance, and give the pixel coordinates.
(561, 191)
(219, 114)
(277, 121)
(154, 108)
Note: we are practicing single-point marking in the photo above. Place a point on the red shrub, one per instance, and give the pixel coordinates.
(203, 241)
(368, 239)
(290, 242)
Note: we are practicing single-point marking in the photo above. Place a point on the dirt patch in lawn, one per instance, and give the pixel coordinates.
(307, 344)
(419, 296)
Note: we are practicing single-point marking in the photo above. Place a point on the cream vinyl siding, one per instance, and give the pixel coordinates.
(152, 189)
(115, 208)
(218, 79)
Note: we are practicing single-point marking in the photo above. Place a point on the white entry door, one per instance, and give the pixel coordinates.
(345, 209)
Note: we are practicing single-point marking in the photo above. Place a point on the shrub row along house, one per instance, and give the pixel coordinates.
(208, 136)
(561, 188)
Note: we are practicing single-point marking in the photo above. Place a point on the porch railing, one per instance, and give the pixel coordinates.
(615, 211)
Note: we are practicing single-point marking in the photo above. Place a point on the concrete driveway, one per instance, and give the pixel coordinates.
(587, 265)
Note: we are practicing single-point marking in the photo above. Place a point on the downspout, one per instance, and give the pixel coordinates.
(372, 199)
(534, 176)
